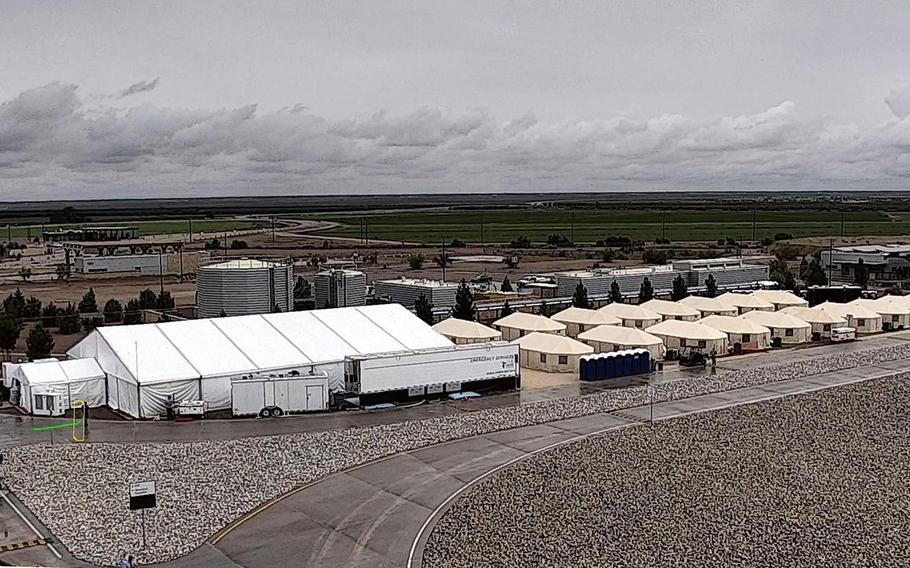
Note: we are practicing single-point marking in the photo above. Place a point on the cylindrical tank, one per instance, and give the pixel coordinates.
(245, 286)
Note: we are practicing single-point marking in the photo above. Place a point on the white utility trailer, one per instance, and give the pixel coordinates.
(432, 371)
(275, 396)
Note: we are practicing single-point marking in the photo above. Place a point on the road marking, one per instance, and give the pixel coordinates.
(30, 525)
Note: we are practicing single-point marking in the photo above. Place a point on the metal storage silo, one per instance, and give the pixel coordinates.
(245, 286)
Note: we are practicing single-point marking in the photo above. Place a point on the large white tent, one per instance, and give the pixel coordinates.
(895, 310)
(821, 320)
(859, 317)
(196, 359)
(519, 324)
(463, 331)
(75, 379)
(579, 320)
(747, 333)
(607, 338)
(672, 310)
(745, 302)
(781, 298)
(790, 329)
(631, 315)
(551, 353)
(681, 335)
(709, 306)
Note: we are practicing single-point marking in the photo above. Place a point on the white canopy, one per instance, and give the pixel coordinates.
(586, 317)
(687, 330)
(670, 309)
(74, 379)
(737, 325)
(463, 329)
(776, 319)
(553, 344)
(620, 336)
(745, 301)
(849, 310)
(629, 312)
(886, 305)
(781, 298)
(529, 322)
(709, 305)
(815, 315)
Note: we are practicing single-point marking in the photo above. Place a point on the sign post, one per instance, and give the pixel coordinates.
(142, 497)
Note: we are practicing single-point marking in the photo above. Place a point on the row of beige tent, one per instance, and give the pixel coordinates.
(709, 324)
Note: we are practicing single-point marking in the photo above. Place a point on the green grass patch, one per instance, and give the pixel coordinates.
(144, 227)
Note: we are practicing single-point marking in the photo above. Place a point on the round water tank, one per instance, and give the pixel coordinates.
(245, 286)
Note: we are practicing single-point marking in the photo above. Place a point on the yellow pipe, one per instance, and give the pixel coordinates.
(78, 424)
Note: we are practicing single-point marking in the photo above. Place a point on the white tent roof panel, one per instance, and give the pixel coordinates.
(359, 331)
(157, 360)
(206, 348)
(264, 345)
(81, 369)
(315, 339)
(407, 329)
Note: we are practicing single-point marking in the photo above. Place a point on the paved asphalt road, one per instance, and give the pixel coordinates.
(371, 516)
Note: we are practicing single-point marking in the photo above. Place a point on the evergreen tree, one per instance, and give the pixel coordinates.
(148, 300)
(14, 304)
(861, 277)
(815, 275)
(133, 312)
(90, 323)
(424, 309)
(680, 288)
(50, 315)
(646, 292)
(113, 311)
(506, 310)
(545, 310)
(165, 301)
(464, 303)
(580, 297)
(68, 320)
(506, 286)
(710, 286)
(32, 308)
(615, 293)
(803, 269)
(39, 343)
(9, 334)
(301, 288)
(88, 304)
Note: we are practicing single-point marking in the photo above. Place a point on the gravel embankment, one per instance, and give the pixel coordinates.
(814, 480)
(80, 491)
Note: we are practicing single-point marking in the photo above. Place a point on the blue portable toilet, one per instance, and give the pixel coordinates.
(617, 363)
(609, 365)
(601, 367)
(584, 371)
(636, 362)
(627, 364)
(645, 361)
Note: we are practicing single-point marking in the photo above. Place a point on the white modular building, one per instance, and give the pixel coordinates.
(245, 286)
(339, 288)
(405, 291)
(48, 387)
(197, 359)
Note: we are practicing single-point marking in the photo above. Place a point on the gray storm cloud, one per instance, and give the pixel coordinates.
(52, 146)
(140, 87)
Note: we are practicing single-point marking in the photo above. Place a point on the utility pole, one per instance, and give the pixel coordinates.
(483, 242)
(830, 259)
(160, 270)
(572, 234)
(366, 230)
(842, 223)
(753, 224)
(663, 225)
(191, 230)
(444, 258)
(273, 227)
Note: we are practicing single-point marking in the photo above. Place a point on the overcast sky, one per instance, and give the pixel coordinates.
(124, 99)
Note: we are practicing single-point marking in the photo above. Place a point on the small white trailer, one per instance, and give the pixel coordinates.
(275, 396)
(432, 371)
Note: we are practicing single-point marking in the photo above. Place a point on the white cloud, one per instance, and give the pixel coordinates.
(53, 146)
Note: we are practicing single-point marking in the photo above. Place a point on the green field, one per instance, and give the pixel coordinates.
(145, 227)
(590, 225)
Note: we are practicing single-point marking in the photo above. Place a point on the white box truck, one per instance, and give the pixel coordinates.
(437, 370)
(275, 396)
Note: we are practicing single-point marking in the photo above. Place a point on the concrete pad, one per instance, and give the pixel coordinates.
(530, 438)
(592, 423)
(467, 459)
(409, 478)
(389, 534)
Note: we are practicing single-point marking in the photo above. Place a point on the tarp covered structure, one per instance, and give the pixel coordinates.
(607, 338)
(750, 335)
(895, 310)
(75, 379)
(781, 298)
(745, 302)
(196, 359)
(631, 315)
(672, 310)
(790, 329)
(859, 317)
(821, 320)
(551, 353)
(686, 335)
(519, 324)
(579, 320)
(462, 331)
(709, 306)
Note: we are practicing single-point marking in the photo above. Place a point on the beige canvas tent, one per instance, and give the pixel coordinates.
(685, 335)
(462, 331)
(859, 317)
(709, 306)
(631, 316)
(749, 335)
(791, 330)
(895, 311)
(578, 320)
(551, 353)
(781, 299)
(745, 302)
(821, 320)
(607, 338)
(519, 324)
(672, 310)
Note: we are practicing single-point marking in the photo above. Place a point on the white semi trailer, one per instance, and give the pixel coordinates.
(433, 371)
(275, 396)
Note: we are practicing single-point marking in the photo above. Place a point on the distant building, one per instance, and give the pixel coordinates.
(340, 288)
(888, 265)
(90, 234)
(405, 291)
(245, 286)
(141, 264)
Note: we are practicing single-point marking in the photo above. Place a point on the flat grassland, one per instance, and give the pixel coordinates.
(591, 225)
(165, 227)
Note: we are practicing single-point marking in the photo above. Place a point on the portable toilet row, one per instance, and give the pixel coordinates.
(615, 364)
